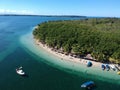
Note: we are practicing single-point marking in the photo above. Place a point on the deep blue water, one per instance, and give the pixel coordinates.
(41, 76)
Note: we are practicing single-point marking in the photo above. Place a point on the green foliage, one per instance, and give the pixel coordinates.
(99, 36)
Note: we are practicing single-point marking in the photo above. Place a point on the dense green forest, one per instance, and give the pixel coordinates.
(99, 37)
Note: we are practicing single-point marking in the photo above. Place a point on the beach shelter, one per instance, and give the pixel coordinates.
(89, 64)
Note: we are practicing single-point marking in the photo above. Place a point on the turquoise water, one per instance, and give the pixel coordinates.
(43, 74)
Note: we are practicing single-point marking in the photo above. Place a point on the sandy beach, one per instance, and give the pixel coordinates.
(67, 63)
(67, 57)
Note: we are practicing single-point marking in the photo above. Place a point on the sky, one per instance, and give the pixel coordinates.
(107, 8)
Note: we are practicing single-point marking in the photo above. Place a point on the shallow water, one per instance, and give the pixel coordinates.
(43, 74)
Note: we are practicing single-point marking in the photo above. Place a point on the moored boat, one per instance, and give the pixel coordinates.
(103, 67)
(88, 85)
(20, 71)
(113, 67)
(89, 64)
(107, 67)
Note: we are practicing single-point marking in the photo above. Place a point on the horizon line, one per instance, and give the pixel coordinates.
(54, 15)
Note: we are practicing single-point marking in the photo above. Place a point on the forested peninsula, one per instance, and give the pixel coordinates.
(99, 37)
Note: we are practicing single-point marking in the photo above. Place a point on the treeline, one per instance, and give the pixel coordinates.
(99, 37)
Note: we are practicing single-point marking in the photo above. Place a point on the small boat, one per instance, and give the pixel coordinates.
(89, 64)
(103, 67)
(107, 67)
(88, 85)
(113, 67)
(20, 71)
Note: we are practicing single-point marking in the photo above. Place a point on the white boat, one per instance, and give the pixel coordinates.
(113, 67)
(20, 71)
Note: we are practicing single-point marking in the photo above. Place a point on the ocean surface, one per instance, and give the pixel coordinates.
(44, 72)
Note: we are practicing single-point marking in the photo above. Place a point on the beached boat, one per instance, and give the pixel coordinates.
(107, 67)
(113, 67)
(103, 67)
(20, 71)
(88, 85)
(89, 64)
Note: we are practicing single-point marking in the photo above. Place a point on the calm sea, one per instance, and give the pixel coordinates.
(41, 75)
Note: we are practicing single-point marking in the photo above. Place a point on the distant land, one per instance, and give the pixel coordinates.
(74, 16)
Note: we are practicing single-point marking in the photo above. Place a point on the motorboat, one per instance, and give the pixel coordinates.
(20, 71)
(107, 67)
(103, 67)
(88, 85)
(113, 67)
(89, 64)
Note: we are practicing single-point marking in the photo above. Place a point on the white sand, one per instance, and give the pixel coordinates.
(67, 57)
(67, 63)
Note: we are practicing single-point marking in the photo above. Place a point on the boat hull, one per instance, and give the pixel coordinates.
(20, 72)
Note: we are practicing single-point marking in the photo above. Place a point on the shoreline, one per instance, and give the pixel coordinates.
(66, 63)
(68, 57)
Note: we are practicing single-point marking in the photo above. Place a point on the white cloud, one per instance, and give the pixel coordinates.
(8, 11)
